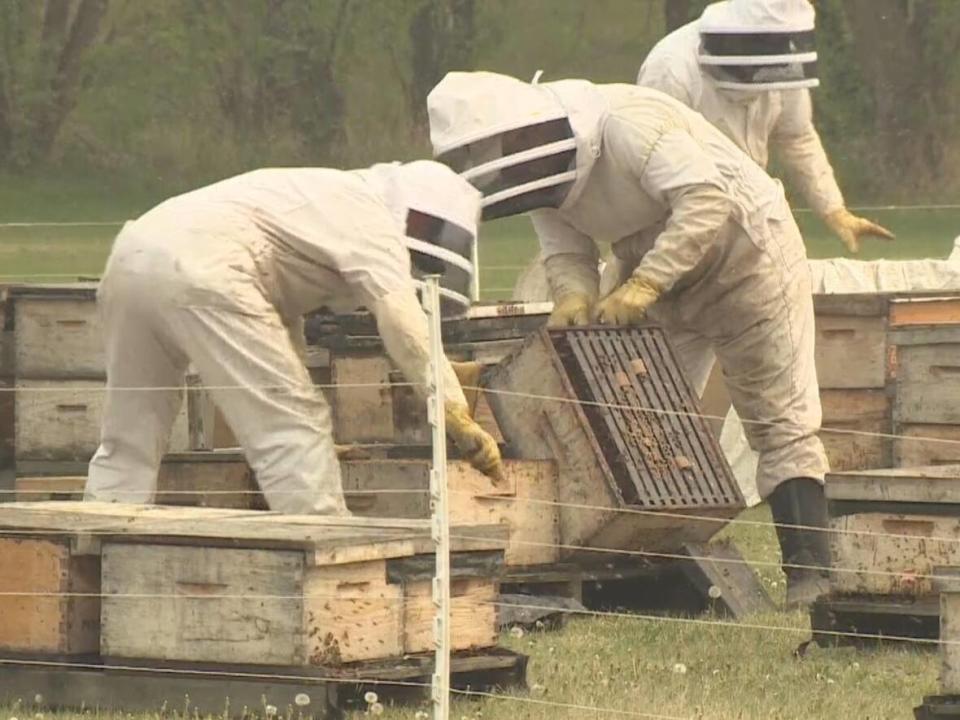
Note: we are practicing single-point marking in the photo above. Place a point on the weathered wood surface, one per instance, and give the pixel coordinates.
(950, 630)
(198, 603)
(928, 384)
(223, 605)
(58, 338)
(925, 311)
(923, 445)
(851, 351)
(330, 540)
(60, 420)
(43, 609)
(854, 422)
(937, 484)
(890, 554)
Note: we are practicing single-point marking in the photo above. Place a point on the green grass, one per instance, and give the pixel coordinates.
(506, 245)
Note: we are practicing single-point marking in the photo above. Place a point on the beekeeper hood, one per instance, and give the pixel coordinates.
(438, 212)
(523, 145)
(754, 45)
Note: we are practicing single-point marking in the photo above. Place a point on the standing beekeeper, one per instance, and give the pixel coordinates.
(748, 66)
(220, 278)
(704, 241)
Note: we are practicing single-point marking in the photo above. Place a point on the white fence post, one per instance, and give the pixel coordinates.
(440, 519)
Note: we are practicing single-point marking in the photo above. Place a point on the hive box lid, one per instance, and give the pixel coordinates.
(329, 540)
(936, 484)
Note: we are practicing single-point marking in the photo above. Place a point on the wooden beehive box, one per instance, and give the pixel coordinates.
(892, 527)
(926, 414)
(200, 585)
(57, 366)
(633, 450)
(200, 479)
(948, 584)
(852, 365)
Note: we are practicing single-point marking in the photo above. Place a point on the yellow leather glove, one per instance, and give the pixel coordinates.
(572, 309)
(476, 445)
(628, 304)
(849, 228)
(468, 373)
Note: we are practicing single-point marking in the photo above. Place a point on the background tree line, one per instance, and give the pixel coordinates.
(170, 93)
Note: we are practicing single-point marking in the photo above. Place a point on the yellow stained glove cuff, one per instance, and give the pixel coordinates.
(572, 309)
(478, 446)
(628, 304)
(849, 228)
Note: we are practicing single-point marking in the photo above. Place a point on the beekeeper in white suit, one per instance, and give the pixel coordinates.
(748, 66)
(704, 240)
(221, 277)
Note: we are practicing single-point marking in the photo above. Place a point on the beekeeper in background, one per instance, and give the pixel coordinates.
(704, 243)
(220, 278)
(748, 66)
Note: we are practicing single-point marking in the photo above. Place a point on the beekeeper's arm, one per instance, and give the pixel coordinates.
(674, 171)
(797, 144)
(571, 260)
(661, 71)
(364, 247)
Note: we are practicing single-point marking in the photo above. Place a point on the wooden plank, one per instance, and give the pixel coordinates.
(950, 630)
(927, 311)
(202, 604)
(60, 420)
(351, 613)
(939, 484)
(859, 418)
(130, 691)
(46, 618)
(922, 445)
(363, 414)
(330, 540)
(851, 351)
(719, 567)
(473, 615)
(888, 554)
(208, 429)
(58, 337)
(928, 384)
(851, 304)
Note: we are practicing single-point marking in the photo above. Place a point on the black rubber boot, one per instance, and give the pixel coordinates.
(801, 501)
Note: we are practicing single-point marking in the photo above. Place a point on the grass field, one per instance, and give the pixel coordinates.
(632, 666)
(60, 252)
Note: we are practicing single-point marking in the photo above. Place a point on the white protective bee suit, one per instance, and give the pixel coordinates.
(221, 277)
(684, 208)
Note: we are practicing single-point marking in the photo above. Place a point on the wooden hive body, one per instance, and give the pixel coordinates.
(201, 585)
(892, 528)
(615, 411)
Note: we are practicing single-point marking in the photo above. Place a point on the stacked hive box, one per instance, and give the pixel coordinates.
(59, 374)
(926, 414)
(852, 361)
(947, 703)
(889, 530)
(230, 594)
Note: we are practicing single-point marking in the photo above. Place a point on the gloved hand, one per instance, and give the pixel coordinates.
(572, 309)
(477, 446)
(628, 304)
(849, 228)
(468, 373)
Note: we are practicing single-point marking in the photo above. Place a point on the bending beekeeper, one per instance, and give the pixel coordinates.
(705, 244)
(221, 277)
(748, 66)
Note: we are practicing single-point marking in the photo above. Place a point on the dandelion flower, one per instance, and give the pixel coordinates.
(301, 699)
(714, 592)
(370, 697)
(376, 709)
(270, 710)
(516, 631)
(680, 669)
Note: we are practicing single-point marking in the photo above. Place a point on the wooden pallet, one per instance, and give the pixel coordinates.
(870, 620)
(239, 691)
(938, 707)
(714, 578)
